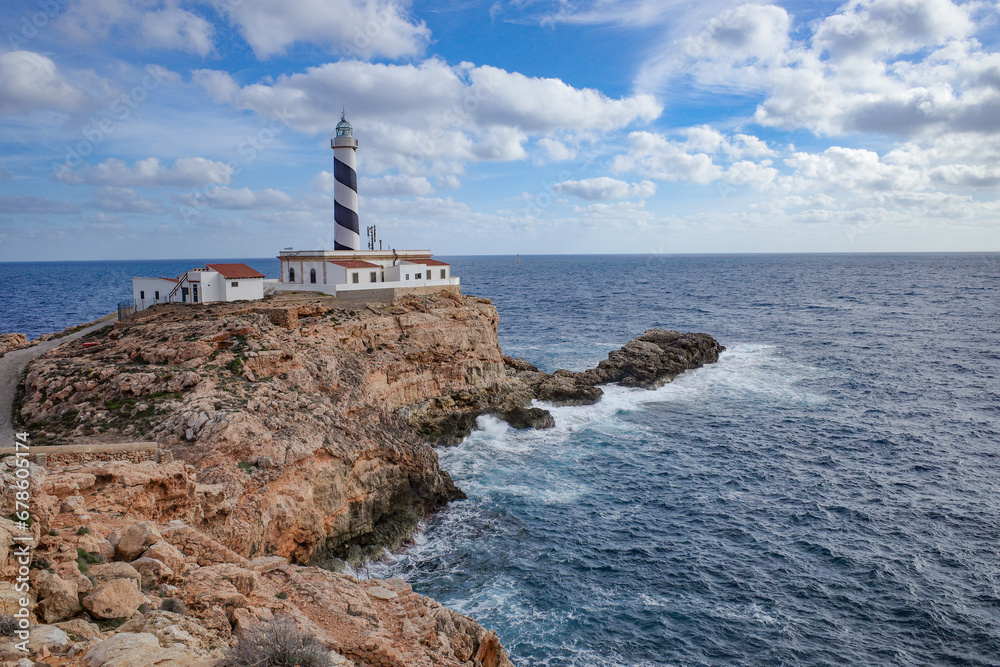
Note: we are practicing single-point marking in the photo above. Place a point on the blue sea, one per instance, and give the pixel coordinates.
(828, 493)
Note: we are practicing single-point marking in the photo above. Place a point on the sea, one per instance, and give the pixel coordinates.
(828, 493)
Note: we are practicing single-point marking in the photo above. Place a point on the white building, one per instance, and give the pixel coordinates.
(206, 284)
(337, 271)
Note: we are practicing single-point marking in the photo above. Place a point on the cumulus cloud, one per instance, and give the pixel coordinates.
(185, 172)
(174, 28)
(894, 67)
(149, 24)
(604, 188)
(697, 158)
(409, 115)
(31, 81)
(365, 28)
(125, 200)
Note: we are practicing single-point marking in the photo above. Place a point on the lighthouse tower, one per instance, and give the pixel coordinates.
(347, 233)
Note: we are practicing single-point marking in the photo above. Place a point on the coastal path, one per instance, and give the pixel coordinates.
(12, 365)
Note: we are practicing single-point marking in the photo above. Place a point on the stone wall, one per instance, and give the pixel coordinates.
(134, 452)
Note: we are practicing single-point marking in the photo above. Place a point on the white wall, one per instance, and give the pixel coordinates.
(144, 291)
(246, 288)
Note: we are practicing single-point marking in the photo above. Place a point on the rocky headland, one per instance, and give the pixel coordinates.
(298, 435)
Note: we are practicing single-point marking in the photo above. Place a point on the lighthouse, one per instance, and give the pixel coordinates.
(347, 233)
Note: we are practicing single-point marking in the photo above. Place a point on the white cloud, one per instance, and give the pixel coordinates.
(865, 28)
(174, 28)
(220, 86)
(399, 185)
(366, 28)
(125, 200)
(407, 116)
(185, 172)
(603, 188)
(31, 81)
(223, 197)
(142, 24)
(555, 150)
(698, 158)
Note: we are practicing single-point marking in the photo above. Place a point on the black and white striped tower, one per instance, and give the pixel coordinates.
(347, 233)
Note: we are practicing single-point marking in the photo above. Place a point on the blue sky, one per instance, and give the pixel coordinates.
(174, 128)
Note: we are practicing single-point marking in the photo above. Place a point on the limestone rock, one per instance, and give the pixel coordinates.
(79, 630)
(522, 418)
(152, 571)
(54, 639)
(73, 505)
(59, 599)
(118, 598)
(167, 554)
(137, 539)
(122, 644)
(116, 570)
(171, 629)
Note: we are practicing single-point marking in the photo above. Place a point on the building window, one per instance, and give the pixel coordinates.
(291, 275)
(194, 293)
(142, 295)
(418, 276)
(156, 295)
(374, 277)
(234, 284)
(407, 276)
(312, 275)
(442, 274)
(355, 278)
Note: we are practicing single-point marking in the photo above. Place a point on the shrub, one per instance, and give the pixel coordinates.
(53, 532)
(173, 605)
(8, 625)
(282, 595)
(279, 643)
(83, 530)
(87, 557)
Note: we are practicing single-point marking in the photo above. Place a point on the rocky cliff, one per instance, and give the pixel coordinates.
(120, 578)
(298, 431)
(312, 420)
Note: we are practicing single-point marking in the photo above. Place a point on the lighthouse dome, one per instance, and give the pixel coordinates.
(344, 128)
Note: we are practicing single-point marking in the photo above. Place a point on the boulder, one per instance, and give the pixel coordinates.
(122, 644)
(59, 597)
(521, 418)
(118, 598)
(137, 539)
(73, 505)
(54, 639)
(80, 630)
(169, 555)
(117, 570)
(152, 571)
(10, 599)
(176, 630)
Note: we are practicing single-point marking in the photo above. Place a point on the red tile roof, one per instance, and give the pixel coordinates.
(433, 262)
(233, 271)
(354, 264)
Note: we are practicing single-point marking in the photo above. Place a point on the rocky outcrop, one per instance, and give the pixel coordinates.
(364, 623)
(654, 358)
(12, 341)
(317, 421)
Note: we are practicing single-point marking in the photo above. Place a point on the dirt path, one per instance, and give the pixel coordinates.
(12, 365)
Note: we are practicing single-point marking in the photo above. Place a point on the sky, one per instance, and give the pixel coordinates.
(153, 129)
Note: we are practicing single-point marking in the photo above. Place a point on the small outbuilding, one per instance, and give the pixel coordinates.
(207, 284)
